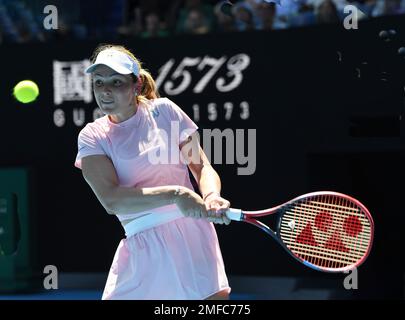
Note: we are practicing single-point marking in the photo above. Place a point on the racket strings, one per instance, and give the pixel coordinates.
(356, 246)
(326, 234)
(325, 252)
(327, 231)
(335, 242)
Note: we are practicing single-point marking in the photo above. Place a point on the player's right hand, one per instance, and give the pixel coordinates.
(190, 203)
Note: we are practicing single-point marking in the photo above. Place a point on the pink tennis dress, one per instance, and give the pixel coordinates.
(164, 255)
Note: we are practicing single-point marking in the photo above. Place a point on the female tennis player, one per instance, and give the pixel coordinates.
(171, 249)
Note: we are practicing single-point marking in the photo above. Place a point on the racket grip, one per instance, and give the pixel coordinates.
(234, 214)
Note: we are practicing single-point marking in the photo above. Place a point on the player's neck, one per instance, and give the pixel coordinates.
(121, 117)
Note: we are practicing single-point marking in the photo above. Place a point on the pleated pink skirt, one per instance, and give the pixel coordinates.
(178, 260)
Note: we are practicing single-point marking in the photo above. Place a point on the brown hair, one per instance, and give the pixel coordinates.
(148, 89)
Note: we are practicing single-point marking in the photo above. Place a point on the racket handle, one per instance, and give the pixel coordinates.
(234, 214)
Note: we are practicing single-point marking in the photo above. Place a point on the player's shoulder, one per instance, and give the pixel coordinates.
(95, 128)
(161, 106)
(162, 102)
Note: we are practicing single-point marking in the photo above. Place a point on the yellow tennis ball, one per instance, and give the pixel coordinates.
(26, 91)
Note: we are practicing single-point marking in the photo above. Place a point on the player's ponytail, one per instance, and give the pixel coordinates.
(148, 86)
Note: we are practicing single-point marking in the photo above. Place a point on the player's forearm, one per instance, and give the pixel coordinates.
(123, 200)
(209, 181)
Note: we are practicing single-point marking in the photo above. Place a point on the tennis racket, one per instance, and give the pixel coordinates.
(326, 231)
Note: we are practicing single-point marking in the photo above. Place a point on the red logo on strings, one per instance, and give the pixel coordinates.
(324, 222)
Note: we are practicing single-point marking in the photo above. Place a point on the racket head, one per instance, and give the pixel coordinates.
(327, 231)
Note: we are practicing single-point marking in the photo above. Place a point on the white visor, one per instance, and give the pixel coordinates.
(116, 60)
